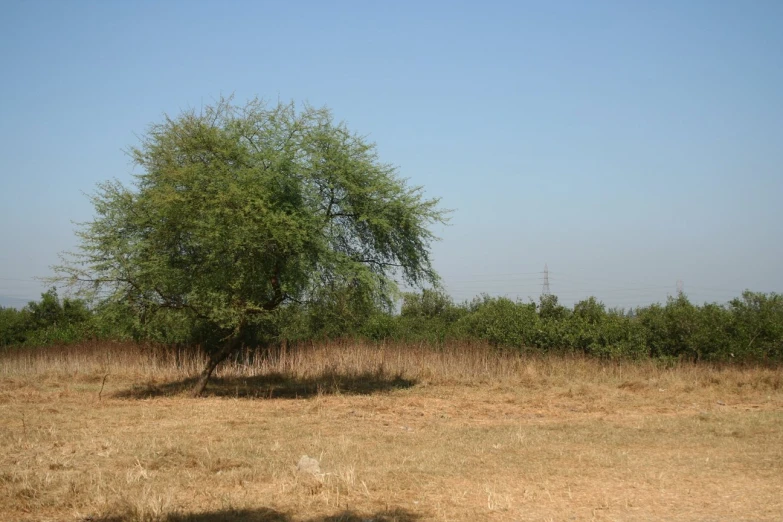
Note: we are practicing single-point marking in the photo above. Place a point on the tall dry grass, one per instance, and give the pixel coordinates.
(454, 363)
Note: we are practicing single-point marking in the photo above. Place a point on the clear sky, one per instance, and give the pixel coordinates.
(627, 145)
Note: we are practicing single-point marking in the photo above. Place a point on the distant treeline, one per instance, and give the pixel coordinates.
(748, 328)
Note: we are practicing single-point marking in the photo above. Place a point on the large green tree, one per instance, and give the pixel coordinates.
(240, 210)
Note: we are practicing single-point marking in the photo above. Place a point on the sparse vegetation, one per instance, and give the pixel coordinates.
(401, 431)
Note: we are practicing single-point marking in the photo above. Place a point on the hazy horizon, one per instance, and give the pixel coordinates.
(625, 146)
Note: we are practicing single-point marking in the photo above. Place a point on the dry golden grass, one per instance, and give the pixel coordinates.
(106, 433)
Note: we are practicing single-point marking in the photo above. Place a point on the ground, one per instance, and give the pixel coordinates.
(400, 433)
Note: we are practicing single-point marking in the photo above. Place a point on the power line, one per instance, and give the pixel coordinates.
(494, 274)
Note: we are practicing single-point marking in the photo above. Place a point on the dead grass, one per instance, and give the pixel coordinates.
(401, 433)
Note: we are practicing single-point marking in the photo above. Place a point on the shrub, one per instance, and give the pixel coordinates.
(757, 328)
(501, 322)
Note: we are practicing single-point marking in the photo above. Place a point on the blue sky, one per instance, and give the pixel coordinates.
(627, 145)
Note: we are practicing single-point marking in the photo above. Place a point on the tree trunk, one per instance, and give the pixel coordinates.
(215, 358)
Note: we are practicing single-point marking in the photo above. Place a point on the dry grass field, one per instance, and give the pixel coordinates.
(405, 433)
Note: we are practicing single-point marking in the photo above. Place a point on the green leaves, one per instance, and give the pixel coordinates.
(747, 329)
(239, 210)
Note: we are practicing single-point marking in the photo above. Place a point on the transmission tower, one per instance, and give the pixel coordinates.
(680, 287)
(545, 286)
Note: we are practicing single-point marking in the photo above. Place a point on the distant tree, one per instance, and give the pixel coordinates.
(240, 210)
(550, 308)
(13, 323)
(46, 312)
(757, 325)
(590, 310)
(51, 311)
(428, 304)
(42, 322)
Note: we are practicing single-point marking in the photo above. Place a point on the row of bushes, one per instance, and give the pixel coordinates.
(747, 328)
(48, 321)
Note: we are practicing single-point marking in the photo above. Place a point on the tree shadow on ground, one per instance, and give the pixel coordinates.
(270, 515)
(276, 386)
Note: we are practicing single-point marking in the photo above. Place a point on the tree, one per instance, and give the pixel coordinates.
(591, 310)
(430, 303)
(550, 308)
(51, 311)
(13, 323)
(242, 210)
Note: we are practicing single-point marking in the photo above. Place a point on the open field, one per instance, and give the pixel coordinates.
(106, 433)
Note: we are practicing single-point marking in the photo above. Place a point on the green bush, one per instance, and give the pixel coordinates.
(671, 328)
(13, 325)
(500, 322)
(757, 326)
(749, 328)
(48, 321)
(381, 327)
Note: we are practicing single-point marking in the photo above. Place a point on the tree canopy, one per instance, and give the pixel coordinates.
(240, 210)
